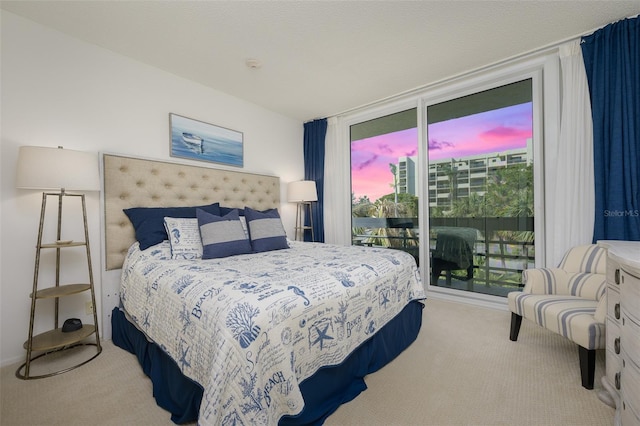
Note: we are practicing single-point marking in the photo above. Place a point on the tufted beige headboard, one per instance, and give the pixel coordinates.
(135, 182)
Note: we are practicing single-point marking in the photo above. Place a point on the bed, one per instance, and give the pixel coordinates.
(282, 334)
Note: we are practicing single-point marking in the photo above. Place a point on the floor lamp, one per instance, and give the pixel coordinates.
(58, 170)
(303, 193)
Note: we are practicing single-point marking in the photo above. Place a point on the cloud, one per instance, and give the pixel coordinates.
(384, 148)
(505, 133)
(411, 153)
(367, 163)
(434, 144)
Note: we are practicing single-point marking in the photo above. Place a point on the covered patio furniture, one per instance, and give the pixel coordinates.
(454, 251)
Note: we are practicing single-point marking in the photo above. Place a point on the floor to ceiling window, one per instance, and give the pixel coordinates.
(481, 189)
(454, 175)
(384, 182)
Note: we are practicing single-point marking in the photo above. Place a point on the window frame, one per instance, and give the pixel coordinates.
(377, 112)
(544, 70)
(487, 81)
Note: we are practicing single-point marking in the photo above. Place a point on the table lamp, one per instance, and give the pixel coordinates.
(303, 193)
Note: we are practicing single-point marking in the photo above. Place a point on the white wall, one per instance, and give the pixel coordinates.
(57, 90)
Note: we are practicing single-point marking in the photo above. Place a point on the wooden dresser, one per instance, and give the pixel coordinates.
(622, 379)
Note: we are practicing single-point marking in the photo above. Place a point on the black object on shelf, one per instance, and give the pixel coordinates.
(71, 324)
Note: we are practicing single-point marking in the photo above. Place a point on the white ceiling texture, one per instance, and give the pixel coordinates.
(321, 58)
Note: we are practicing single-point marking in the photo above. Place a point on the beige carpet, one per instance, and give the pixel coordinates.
(462, 370)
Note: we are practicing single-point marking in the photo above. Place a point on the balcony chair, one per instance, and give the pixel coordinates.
(454, 250)
(569, 300)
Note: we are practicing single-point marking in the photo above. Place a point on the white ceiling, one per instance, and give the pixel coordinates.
(320, 58)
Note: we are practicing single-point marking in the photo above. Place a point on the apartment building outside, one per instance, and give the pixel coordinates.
(453, 178)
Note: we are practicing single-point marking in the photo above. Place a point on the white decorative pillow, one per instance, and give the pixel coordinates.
(184, 238)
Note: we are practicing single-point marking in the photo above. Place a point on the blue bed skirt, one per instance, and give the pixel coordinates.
(323, 392)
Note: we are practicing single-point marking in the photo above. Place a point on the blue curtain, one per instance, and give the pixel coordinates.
(314, 134)
(612, 62)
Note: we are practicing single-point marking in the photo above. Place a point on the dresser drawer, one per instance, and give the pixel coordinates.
(630, 381)
(613, 336)
(630, 339)
(612, 265)
(613, 303)
(630, 293)
(613, 367)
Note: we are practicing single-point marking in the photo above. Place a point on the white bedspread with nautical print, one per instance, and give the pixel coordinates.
(250, 328)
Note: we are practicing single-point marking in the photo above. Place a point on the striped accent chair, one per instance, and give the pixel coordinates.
(569, 300)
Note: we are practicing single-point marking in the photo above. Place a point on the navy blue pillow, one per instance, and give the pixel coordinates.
(222, 236)
(148, 222)
(265, 230)
(226, 210)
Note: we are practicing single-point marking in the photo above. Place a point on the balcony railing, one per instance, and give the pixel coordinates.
(501, 249)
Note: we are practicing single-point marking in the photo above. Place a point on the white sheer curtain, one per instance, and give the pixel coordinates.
(337, 205)
(572, 182)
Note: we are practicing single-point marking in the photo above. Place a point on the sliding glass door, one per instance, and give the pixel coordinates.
(384, 182)
(481, 189)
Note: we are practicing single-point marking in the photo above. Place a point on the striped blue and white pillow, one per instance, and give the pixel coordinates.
(265, 230)
(222, 236)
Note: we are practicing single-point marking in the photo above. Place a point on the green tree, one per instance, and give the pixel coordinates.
(471, 206)
(510, 192)
(408, 203)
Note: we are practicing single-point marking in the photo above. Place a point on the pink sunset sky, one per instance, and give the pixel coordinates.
(491, 131)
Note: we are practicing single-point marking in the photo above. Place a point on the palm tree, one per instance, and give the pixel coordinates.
(394, 171)
(471, 206)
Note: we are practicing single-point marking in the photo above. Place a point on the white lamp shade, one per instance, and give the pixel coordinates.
(302, 191)
(48, 168)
